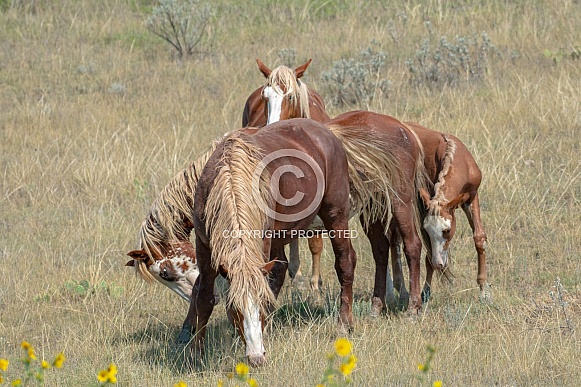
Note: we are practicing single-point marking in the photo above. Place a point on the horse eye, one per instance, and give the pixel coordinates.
(290, 97)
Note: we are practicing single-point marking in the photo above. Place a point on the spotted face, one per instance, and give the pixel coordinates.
(178, 273)
(278, 104)
(174, 266)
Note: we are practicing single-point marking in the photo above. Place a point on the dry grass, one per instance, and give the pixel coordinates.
(97, 115)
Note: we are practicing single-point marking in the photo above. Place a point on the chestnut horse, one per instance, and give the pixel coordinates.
(455, 179)
(285, 96)
(239, 223)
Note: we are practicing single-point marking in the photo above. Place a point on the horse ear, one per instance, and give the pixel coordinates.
(267, 268)
(263, 68)
(458, 201)
(130, 263)
(299, 71)
(138, 255)
(425, 196)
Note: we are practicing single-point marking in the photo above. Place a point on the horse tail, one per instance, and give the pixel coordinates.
(234, 222)
(372, 173)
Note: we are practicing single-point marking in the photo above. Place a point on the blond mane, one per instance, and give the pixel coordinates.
(439, 198)
(170, 212)
(283, 77)
(232, 206)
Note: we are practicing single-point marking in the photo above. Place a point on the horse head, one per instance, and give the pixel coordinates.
(174, 265)
(440, 224)
(285, 96)
(249, 323)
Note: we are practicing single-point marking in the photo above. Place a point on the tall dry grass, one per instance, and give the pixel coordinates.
(97, 115)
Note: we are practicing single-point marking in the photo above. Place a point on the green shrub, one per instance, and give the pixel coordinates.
(444, 63)
(357, 81)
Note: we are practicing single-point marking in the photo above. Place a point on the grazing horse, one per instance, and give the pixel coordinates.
(285, 96)
(455, 179)
(240, 223)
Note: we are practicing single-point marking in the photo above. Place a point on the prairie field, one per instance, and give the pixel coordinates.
(97, 114)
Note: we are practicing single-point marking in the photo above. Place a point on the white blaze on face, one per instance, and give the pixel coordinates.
(253, 331)
(184, 281)
(274, 101)
(435, 226)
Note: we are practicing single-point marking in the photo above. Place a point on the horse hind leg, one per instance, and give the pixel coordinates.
(397, 270)
(316, 248)
(383, 296)
(472, 212)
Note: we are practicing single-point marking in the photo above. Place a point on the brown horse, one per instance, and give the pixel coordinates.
(455, 179)
(240, 223)
(285, 96)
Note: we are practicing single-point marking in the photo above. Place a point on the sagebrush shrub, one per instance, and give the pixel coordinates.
(436, 64)
(357, 81)
(181, 23)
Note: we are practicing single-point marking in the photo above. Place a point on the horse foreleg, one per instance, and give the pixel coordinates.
(427, 291)
(278, 272)
(472, 212)
(316, 248)
(294, 263)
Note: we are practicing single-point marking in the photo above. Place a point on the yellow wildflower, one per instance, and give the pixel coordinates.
(1, 379)
(102, 376)
(31, 353)
(112, 369)
(346, 368)
(252, 382)
(4, 364)
(319, 385)
(16, 382)
(44, 364)
(437, 383)
(181, 383)
(421, 367)
(112, 378)
(343, 346)
(220, 383)
(59, 360)
(352, 360)
(26, 345)
(242, 369)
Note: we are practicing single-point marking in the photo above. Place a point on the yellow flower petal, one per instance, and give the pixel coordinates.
(31, 353)
(421, 367)
(25, 345)
(242, 369)
(343, 346)
(252, 382)
(59, 360)
(112, 378)
(181, 383)
(4, 364)
(16, 382)
(112, 369)
(437, 383)
(102, 376)
(44, 364)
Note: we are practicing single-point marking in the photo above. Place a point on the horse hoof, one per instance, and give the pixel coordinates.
(185, 336)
